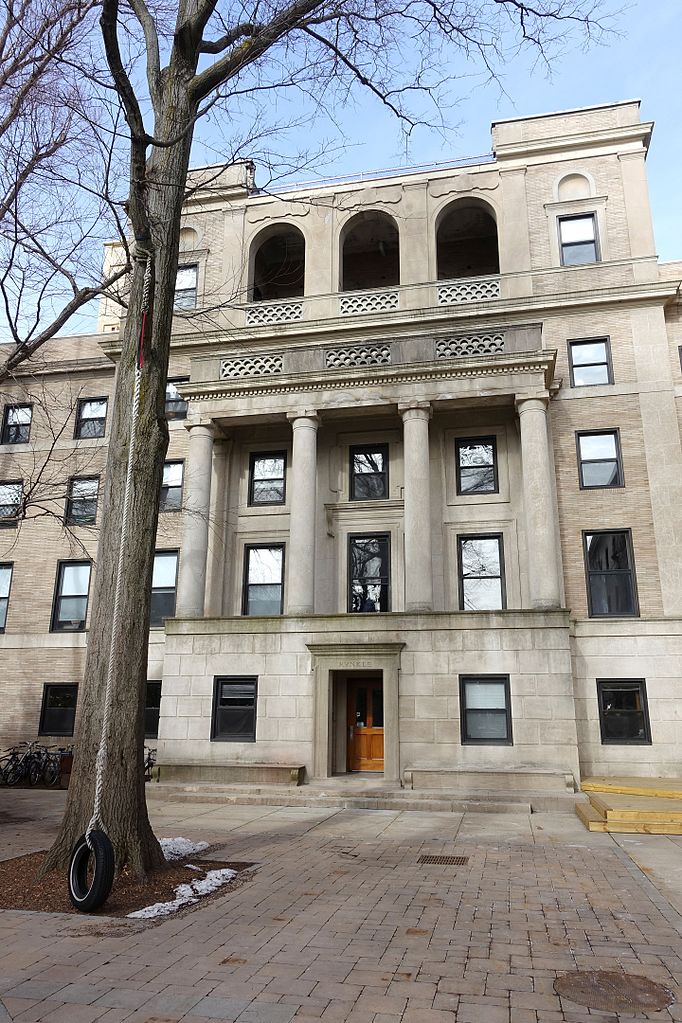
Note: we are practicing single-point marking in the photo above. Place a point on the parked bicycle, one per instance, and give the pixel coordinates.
(33, 762)
(149, 761)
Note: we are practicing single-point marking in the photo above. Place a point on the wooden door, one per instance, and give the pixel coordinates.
(365, 724)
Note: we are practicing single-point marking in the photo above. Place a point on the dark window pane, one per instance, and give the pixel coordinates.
(3, 612)
(575, 255)
(170, 499)
(607, 552)
(477, 480)
(369, 473)
(377, 708)
(361, 707)
(59, 710)
(623, 712)
(486, 724)
(162, 606)
(485, 710)
(152, 710)
(369, 487)
(176, 406)
(17, 424)
(612, 594)
(234, 715)
(369, 572)
(268, 492)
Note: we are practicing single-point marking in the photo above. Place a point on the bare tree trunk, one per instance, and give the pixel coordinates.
(124, 810)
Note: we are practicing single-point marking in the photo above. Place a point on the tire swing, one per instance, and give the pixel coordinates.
(92, 864)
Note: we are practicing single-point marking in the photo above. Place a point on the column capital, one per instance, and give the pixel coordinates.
(304, 417)
(415, 410)
(529, 402)
(207, 425)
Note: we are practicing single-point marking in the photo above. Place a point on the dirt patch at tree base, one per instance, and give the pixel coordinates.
(21, 888)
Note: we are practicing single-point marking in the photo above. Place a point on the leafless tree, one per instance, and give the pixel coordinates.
(170, 63)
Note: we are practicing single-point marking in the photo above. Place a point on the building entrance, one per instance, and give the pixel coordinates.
(365, 720)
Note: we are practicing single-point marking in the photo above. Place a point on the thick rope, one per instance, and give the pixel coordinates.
(102, 752)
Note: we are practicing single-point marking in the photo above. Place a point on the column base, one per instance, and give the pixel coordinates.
(415, 608)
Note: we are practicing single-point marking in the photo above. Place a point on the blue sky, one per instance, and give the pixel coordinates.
(642, 62)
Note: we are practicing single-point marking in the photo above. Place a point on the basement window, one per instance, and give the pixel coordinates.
(623, 712)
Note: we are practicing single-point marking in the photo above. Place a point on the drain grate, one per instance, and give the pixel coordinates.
(445, 861)
(613, 992)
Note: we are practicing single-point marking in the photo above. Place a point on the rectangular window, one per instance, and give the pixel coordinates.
(611, 588)
(11, 498)
(186, 287)
(481, 573)
(599, 461)
(623, 711)
(267, 477)
(152, 706)
(590, 362)
(164, 578)
(234, 710)
(369, 562)
(369, 473)
(476, 465)
(263, 579)
(71, 596)
(16, 424)
(5, 583)
(171, 487)
(176, 406)
(578, 240)
(58, 712)
(81, 503)
(91, 417)
(485, 710)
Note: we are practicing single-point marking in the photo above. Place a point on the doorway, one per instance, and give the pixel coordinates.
(365, 723)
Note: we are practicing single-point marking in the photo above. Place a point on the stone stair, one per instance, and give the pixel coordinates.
(632, 806)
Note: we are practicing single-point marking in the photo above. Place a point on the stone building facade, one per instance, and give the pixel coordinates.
(421, 513)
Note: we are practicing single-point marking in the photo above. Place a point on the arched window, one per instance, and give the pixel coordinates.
(466, 241)
(371, 252)
(279, 265)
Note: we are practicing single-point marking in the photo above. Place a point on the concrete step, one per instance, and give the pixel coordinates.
(502, 783)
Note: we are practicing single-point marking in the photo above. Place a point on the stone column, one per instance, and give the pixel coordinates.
(417, 494)
(197, 502)
(538, 489)
(300, 592)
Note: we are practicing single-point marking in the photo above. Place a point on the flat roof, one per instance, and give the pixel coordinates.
(570, 110)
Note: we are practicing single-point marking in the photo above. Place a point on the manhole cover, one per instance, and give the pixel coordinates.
(613, 991)
(446, 861)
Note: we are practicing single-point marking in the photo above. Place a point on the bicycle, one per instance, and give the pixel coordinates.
(149, 761)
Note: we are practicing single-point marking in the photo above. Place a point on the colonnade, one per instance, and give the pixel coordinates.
(544, 586)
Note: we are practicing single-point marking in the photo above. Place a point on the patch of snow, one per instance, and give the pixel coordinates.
(180, 848)
(186, 894)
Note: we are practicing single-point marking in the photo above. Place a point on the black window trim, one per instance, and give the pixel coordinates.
(592, 214)
(47, 686)
(280, 544)
(465, 739)
(173, 418)
(85, 401)
(10, 566)
(57, 593)
(604, 339)
(349, 568)
(162, 510)
(502, 576)
(186, 291)
(155, 682)
(362, 449)
(68, 520)
(217, 680)
(176, 552)
(6, 425)
(631, 557)
(615, 431)
(628, 683)
(488, 439)
(253, 457)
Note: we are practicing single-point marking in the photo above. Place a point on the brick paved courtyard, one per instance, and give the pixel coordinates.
(340, 922)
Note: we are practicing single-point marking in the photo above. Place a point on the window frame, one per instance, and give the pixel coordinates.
(502, 576)
(68, 519)
(10, 566)
(631, 684)
(218, 680)
(12, 521)
(186, 291)
(615, 432)
(253, 458)
(47, 686)
(355, 449)
(465, 739)
(147, 708)
(631, 558)
(248, 547)
(460, 442)
(77, 435)
(604, 339)
(175, 417)
(162, 509)
(587, 215)
(58, 596)
(349, 570)
(164, 589)
(6, 426)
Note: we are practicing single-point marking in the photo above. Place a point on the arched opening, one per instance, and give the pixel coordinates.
(279, 266)
(573, 186)
(466, 242)
(370, 253)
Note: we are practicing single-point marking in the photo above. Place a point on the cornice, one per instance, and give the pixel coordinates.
(606, 137)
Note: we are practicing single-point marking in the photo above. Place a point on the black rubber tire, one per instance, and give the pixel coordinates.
(34, 772)
(52, 772)
(14, 774)
(88, 897)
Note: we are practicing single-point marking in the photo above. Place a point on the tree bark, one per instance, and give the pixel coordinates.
(124, 809)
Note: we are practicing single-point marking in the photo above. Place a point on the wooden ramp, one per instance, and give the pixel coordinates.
(632, 806)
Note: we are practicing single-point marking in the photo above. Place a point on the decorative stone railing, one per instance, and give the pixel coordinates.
(368, 302)
(251, 366)
(469, 344)
(358, 355)
(468, 289)
(259, 315)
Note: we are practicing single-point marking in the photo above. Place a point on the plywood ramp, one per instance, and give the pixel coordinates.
(644, 806)
(665, 788)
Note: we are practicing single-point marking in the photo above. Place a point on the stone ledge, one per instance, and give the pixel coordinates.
(235, 773)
